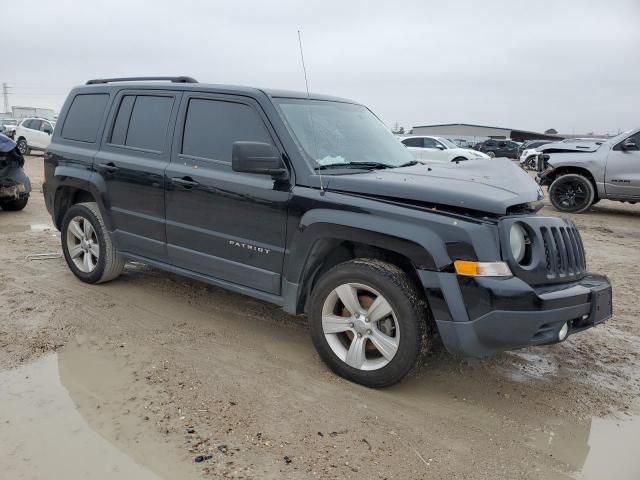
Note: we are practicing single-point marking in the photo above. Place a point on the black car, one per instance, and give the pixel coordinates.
(498, 148)
(310, 203)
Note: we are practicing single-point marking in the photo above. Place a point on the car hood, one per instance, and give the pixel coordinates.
(569, 147)
(489, 186)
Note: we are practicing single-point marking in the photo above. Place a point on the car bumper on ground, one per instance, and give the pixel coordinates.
(479, 317)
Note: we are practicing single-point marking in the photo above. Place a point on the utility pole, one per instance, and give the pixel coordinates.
(5, 95)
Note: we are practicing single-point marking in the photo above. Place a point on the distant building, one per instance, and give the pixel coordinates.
(479, 133)
(23, 112)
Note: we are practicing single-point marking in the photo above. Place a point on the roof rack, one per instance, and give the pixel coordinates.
(96, 81)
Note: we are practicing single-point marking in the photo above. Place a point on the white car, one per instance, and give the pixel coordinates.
(439, 149)
(33, 134)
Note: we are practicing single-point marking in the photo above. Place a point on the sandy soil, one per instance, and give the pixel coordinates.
(159, 370)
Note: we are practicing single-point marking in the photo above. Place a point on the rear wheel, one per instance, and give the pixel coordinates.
(87, 245)
(491, 154)
(14, 205)
(571, 193)
(367, 322)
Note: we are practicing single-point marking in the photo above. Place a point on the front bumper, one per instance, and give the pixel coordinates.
(479, 317)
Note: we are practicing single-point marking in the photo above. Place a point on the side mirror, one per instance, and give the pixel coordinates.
(258, 157)
(629, 144)
(439, 147)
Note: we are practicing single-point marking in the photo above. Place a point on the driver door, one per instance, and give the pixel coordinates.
(622, 174)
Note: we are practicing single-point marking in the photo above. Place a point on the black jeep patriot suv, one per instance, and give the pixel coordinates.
(309, 202)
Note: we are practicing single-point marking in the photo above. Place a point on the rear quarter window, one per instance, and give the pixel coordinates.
(84, 117)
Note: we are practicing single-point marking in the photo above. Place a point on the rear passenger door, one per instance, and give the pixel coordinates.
(222, 223)
(131, 163)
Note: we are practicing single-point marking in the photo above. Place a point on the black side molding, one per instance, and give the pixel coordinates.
(96, 81)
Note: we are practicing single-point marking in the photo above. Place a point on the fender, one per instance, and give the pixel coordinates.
(426, 243)
(80, 179)
(592, 163)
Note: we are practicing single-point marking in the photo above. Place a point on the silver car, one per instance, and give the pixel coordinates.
(581, 173)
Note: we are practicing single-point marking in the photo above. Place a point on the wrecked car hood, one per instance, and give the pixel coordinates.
(490, 186)
(569, 147)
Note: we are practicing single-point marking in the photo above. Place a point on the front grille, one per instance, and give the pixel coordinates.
(556, 253)
(564, 252)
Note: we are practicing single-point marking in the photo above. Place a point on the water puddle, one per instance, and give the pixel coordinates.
(40, 227)
(599, 449)
(43, 435)
(36, 227)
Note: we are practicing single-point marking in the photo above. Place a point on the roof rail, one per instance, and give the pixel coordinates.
(96, 81)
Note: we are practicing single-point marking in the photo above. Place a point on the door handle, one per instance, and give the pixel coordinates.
(108, 167)
(185, 182)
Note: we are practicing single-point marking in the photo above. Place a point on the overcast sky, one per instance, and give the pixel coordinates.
(570, 65)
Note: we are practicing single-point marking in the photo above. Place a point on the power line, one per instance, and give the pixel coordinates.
(5, 94)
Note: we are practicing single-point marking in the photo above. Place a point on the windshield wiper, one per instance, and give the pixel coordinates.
(365, 165)
(358, 165)
(408, 164)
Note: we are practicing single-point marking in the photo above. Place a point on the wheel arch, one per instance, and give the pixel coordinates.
(564, 170)
(77, 189)
(322, 245)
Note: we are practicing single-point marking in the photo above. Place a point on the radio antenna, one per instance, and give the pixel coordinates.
(306, 83)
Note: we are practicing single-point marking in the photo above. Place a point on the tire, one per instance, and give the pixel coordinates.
(405, 327)
(530, 163)
(460, 159)
(23, 148)
(89, 264)
(14, 205)
(571, 193)
(491, 154)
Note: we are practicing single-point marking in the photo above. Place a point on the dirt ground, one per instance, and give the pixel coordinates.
(155, 376)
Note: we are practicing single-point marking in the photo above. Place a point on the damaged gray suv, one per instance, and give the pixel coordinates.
(581, 173)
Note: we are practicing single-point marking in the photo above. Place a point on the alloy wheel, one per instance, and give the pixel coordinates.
(22, 146)
(571, 194)
(360, 326)
(82, 244)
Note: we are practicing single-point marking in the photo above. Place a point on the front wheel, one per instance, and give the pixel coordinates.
(23, 148)
(460, 159)
(571, 193)
(14, 205)
(491, 154)
(87, 245)
(368, 322)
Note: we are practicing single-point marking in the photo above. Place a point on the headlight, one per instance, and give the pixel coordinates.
(518, 242)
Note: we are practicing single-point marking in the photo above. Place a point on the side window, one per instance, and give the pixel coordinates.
(413, 142)
(430, 143)
(27, 123)
(148, 122)
(490, 143)
(84, 117)
(46, 128)
(36, 124)
(211, 127)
